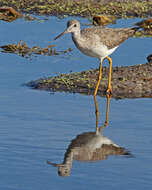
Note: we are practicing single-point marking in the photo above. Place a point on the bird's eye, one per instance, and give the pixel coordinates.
(75, 25)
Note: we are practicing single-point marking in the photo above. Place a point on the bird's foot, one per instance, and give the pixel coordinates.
(101, 129)
(106, 124)
(109, 91)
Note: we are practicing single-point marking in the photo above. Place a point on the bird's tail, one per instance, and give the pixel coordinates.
(132, 31)
(135, 29)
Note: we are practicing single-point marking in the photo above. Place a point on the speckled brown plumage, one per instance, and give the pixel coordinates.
(109, 36)
(98, 42)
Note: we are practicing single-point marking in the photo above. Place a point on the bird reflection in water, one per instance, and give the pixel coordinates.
(90, 146)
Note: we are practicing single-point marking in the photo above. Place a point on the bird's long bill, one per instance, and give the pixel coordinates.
(54, 164)
(60, 35)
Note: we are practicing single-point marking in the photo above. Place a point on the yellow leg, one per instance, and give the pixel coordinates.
(109, 90)
(99, 78)
(107, 110)
(97, 113)
(99, 129)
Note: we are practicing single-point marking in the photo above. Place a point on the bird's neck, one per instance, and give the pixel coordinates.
(76, 37)
(68, 158)
(76, 34)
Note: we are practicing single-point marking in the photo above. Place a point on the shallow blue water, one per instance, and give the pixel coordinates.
(37, 126)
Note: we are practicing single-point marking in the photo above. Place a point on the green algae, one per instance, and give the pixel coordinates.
(23, 50)
(133, 83)
(87, 8)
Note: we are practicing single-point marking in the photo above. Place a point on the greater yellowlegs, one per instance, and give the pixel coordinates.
(98, 42)
(88, 146)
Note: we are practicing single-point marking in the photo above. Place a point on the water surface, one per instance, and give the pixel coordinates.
(37, 126)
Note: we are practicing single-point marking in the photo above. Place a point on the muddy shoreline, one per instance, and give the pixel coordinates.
(127, 82)
(85, 8)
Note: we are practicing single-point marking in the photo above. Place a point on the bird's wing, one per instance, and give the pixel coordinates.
(109, 36)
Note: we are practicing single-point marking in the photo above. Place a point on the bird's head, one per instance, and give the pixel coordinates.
(73, 26)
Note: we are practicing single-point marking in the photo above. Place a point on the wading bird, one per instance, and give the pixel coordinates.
(98, 42)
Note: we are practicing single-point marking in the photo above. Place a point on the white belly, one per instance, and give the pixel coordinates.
(93, 48)
(98, 141)
(98, 51)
